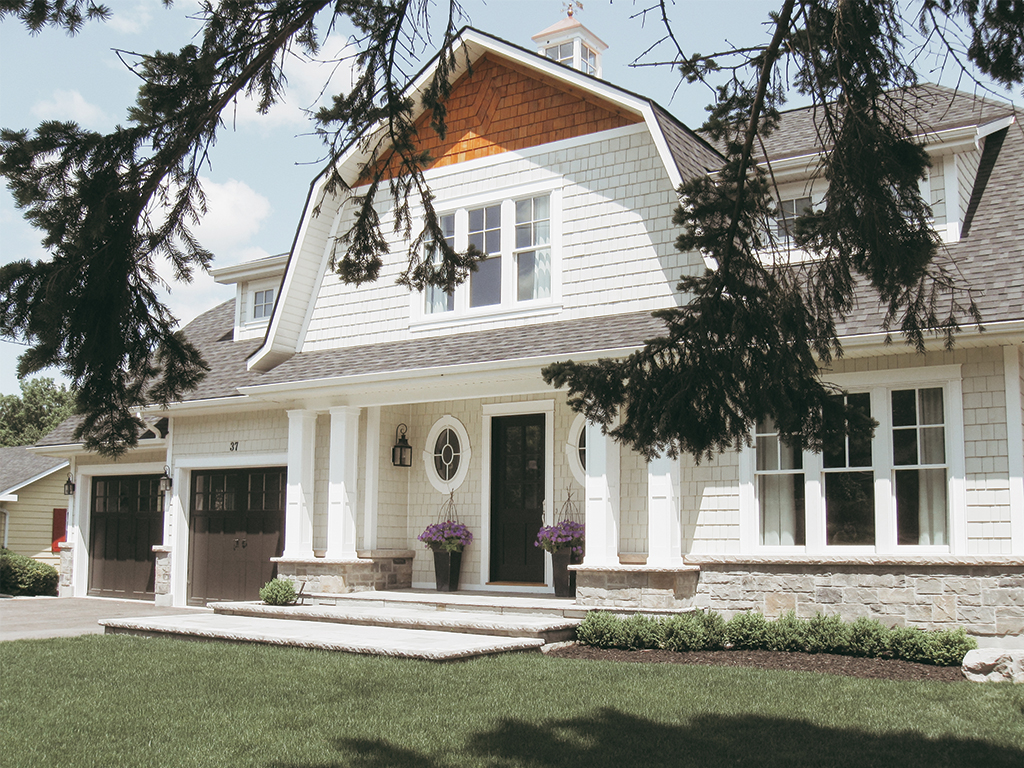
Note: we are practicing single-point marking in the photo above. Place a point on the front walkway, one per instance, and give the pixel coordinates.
(31, 618)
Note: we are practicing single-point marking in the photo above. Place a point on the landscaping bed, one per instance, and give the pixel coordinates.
(827, 663)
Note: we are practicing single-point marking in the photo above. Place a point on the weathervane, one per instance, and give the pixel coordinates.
(570, 5)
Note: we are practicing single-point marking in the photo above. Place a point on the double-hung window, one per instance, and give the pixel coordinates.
(899, 490)
(263, 304)
(789, 210)
(516, 238)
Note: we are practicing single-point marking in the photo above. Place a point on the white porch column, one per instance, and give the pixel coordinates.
(344, 481)
(664, 546)
(372, 477)
(602, 509)
(298, 516)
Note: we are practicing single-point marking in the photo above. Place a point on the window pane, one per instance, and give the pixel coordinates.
(790, 457)
(485, 283)
(904, 412)
(524, 211)
(493, 241)
(933, 445)
(931, 406)
(525, 265)
(849, 508)
(493, 216)
(781, 502)
(438, 300)
(542, 274)
(476, 239)
(540, 208)
(767, 453)
(904, 446)
(524, 236)
(860, 444)
(447, 454)
(476, 220)
(921, 508)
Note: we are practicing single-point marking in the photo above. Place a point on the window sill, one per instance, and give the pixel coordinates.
(450, 320)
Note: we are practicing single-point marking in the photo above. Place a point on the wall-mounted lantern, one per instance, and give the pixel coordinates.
(401, 454)
(165, 480)
(69, 485)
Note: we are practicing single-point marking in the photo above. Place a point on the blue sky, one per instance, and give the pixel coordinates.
(262, 165)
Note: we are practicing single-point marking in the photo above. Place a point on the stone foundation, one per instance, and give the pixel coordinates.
(66, 585)
(162, 578)
(378, 569)
(985, 595)
(636, 586)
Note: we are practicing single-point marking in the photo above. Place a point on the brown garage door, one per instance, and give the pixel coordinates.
(236, 526)
(126, 521)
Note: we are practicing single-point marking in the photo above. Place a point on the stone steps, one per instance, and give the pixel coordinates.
(440, 616)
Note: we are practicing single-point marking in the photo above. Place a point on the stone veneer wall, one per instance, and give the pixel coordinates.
(66, 585)
(374, 570)
(636, 586)
(162, 575)
(985, 595)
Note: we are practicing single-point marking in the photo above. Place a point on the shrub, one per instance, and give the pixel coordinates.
(599, 629)
(685, 632)
(950, 646)
(827, 634)
(714, 630)
(747, 631)
(868, 637)
(20, 575)
(786, 633)
(278, 592)
(639, 631)
(908, 643)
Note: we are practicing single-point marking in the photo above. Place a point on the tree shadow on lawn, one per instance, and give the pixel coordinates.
(611, 738)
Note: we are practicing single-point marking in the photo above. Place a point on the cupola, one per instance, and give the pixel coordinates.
(569, 42)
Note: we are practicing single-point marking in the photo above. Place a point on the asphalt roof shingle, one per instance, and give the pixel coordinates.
(18, 465)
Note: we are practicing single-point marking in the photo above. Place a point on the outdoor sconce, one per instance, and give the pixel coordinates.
(69, 485)
(401, 454)
(165, 480)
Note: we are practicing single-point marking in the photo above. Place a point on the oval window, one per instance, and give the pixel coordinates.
(447, 454)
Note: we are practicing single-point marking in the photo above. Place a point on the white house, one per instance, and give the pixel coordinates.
(281, 461)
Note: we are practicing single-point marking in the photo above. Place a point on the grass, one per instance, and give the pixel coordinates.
(124, 701)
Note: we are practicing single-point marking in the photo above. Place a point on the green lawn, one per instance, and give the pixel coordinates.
(122, 701)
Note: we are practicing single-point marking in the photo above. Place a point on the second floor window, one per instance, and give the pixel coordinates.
(263, 304)
(789, 211)
(438, 299)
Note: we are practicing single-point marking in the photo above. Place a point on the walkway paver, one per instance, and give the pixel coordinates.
(379, 641)
(33, 618)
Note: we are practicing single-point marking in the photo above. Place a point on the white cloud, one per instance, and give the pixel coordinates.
(70, 105)
(132, 20)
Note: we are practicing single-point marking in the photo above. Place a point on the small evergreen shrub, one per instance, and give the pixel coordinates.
(950, 646)
(599, 629)
(20, 575)
(786, 633)
(685, 632)
(639, 631)
(827, 634)
(868, 638)
(909, 644)
(278, 592)
(714, 630)
(747, 631)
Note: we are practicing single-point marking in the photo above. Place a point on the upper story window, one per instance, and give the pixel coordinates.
(560, 53)
(789, 210)
(262, 304)
(519, 269)
(565, 53)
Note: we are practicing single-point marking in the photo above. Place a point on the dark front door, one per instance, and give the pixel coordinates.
(517, 498)
(126, 520)
(237, 520)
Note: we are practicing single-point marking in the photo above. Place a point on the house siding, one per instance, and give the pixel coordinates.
(30, 518)
(255, 432)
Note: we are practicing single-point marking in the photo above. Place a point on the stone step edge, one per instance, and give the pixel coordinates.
(470, 622)
(143, 628)
(382, 598)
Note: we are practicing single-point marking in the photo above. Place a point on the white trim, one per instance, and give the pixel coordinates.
(465, 454)
(1015, 446)
(220, 461)
(371, 480)
(572, 450)
(40, 476)
(545, 407)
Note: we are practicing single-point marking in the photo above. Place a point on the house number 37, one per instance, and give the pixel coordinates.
(233, 446)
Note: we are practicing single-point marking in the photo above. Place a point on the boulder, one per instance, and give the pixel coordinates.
(994, 665)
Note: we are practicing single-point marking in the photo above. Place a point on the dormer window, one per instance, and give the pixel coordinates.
(789, 211)
(565, 53)
(263, 304)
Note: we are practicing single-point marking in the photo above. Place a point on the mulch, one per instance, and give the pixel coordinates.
(826, 663)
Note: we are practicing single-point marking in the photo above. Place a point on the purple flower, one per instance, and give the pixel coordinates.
(567, 533)
(449, 536)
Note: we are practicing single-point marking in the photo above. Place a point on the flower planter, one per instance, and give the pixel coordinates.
(565, 580)
(447, 566)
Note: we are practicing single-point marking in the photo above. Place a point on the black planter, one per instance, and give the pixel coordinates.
(446, 570)
(565, 580)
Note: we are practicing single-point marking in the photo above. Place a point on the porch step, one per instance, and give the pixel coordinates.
(418, 615)
(323, 635)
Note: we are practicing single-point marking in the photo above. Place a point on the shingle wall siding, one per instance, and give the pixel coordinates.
(30, 518)
(710, 504)
(255, 432)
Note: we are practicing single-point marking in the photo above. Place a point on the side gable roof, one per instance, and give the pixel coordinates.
(20, 467)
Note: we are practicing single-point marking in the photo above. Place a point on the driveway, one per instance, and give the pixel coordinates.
(24, 618)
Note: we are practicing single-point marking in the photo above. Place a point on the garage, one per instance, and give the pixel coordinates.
(236, 525)
(126, 520)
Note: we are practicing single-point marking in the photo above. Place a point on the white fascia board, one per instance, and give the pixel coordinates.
(34, 478)
(268, 267)
(995, 334)
(991, 127)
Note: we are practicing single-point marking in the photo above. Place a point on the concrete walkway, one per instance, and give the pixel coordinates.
(29, 618)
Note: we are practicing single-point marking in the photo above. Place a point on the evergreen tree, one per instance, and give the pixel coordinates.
(745, 347)
(40, 409)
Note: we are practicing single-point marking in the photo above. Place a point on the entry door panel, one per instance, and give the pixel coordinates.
(237, 521)
(126, 520)
(517, 498)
